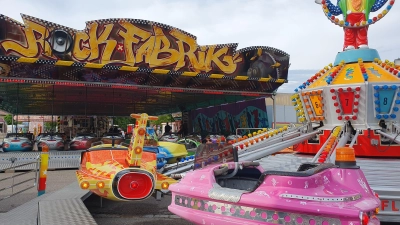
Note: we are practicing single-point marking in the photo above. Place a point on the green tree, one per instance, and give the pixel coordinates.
(163, 119)
(9, 120)
(48, 126)
(123, 121)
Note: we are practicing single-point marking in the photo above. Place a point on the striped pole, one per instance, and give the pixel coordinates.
(44, 164)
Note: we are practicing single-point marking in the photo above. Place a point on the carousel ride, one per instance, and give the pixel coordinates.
(350, 109)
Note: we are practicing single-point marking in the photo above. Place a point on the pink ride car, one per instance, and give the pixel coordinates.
(244, 193)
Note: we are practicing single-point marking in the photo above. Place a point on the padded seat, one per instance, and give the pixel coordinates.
(239, 183)
(244, 179)
(300, 173)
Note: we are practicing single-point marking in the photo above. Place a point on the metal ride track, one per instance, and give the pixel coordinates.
(257, 150)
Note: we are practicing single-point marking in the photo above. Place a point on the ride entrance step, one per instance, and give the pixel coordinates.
(64, 206)
(64, 211)
(24, 214)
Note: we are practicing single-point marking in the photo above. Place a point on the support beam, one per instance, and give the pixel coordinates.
(391, 137)
(273, 111)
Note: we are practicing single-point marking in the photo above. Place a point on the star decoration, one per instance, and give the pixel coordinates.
(120, 47)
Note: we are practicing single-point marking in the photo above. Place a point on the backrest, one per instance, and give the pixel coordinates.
(306, 173)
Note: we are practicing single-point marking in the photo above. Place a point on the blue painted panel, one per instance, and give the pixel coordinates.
(351, 56)
(385, 100)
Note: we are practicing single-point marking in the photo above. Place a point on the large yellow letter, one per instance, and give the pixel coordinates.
(145, 50)
(95, 41)
(31, 49)
(196, 63)
(129, 40)
(81, 50)
(228, 67)
(162, 40)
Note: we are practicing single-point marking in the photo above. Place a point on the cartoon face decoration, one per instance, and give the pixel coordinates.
(4, 69)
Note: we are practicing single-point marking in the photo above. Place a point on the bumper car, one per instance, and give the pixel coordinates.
(112, 138)
(17, 142)
(54, 141)
(82, 141)
(190, 142)
(244, 193)
(173, 151)
(170, 137)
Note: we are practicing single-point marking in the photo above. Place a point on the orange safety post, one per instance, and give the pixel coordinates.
(44, 164)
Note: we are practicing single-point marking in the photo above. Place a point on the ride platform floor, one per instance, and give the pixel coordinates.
(62, 203)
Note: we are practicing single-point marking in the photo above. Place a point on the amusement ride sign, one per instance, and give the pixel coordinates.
(137, 43)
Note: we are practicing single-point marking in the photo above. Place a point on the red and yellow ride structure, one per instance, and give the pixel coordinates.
(120, 174)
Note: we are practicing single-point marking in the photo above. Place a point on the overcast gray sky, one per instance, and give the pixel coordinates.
(298, 27)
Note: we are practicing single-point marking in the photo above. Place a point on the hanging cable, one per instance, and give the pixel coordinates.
(390, 144)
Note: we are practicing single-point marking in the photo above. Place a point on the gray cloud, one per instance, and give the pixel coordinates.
(298, 27)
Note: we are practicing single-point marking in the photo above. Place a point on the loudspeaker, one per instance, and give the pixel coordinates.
(61, 41)
(4, 69)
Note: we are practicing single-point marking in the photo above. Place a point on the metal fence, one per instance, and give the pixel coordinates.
(15, 183)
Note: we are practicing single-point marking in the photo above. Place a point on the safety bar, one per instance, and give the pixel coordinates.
(395, 125)
(287, 132)
(21, 174)
(354, 138)
(13, 185)
(13, 167)
(341, 143)
(237, 129)
(323, 147)
(265, 151)
(261, 152)
(389, 136)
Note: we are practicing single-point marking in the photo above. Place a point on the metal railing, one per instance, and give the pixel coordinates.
(14, 183)
(248, 128)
